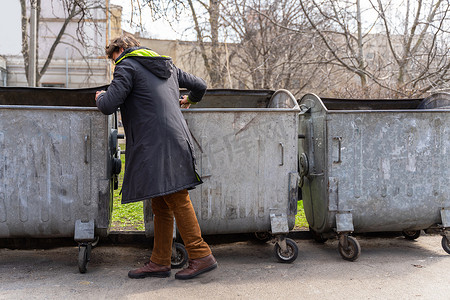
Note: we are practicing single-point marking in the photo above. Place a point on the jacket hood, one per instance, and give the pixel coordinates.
(160, 65)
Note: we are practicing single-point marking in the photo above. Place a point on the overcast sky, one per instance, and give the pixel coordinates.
(10, 32)
(154, 29)
(11, 36)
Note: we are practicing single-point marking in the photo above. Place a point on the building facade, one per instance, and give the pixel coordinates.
(78, 60)
(3, 74)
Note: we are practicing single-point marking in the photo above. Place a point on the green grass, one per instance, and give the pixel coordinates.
(300, 218)
(126, 216)
(131, 216)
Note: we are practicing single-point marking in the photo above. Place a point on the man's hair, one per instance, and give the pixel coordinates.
(124, 41)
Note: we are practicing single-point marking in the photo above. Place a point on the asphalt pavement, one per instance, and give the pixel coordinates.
(389, 267)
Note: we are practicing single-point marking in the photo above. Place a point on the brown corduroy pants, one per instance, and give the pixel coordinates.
(165, 208)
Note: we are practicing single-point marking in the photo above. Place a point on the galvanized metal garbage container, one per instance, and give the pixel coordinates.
(58, 164)
(246, 147)
(375, 165)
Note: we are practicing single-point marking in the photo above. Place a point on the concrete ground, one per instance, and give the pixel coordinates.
(388, 268)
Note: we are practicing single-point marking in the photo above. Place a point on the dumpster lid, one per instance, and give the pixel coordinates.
(43, 96)
(39, 96)
(436, 101)
(234, 98)
(370, 104)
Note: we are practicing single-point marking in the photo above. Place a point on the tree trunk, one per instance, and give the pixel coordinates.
(360, 57)
(214, 14)
(25, 45)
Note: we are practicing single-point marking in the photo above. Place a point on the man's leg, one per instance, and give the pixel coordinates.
(163, 225)
(200, 258)
(159, 264)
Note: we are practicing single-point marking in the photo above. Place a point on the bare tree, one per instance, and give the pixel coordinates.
(239, 46)
(74, 10)
(339, 26)
(206, 20)
(408, 58)
(356, 48)
(421, 55)
(209, 33)
(267, 53)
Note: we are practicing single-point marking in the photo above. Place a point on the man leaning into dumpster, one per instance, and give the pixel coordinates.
(159, 160)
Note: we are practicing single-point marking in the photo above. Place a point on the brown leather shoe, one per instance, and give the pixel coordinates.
(150, 269)
(197, 266)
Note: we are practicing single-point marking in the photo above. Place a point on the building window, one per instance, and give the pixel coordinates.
(3, 77)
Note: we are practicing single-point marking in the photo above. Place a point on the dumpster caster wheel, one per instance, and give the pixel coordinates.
(411, 234)
(446, 244)
(95, 242)
(317, 236)
(84, 256)
(262, 236)
(291, 252)
(179, 256)
(353, 249)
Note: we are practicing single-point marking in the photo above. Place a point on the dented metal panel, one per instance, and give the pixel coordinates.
(247, 158)
(54, 166)
(389, 168)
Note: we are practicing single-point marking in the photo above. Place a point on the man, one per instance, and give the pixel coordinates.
(159, 160)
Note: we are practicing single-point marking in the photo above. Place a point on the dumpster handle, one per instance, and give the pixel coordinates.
(339, 139)
(304, 109)
(86, 148)
(282, 154)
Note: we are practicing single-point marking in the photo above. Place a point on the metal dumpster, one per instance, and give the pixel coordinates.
(246, 147)
(375, 165)
(59, 162)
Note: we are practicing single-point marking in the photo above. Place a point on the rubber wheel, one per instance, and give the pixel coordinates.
(83, 258)
(446, 244)
(290, 255)
(262, 236)
(317, 236)
(411, 234)
(95, 242)
(181, 257)
(352, 252)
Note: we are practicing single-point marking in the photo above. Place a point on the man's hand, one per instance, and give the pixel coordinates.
(184, 103)
(98, 93)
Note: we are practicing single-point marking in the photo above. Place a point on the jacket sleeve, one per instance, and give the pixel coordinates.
(118, 90)
(195, 85)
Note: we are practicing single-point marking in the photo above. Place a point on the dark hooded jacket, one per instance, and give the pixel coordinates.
(159, 158)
